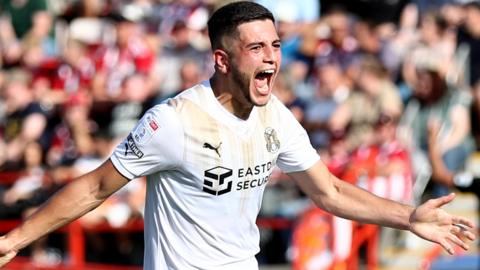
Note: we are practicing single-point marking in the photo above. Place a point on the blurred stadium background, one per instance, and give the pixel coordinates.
(389, 92)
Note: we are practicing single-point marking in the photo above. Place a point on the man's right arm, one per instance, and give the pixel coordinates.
(73, 201)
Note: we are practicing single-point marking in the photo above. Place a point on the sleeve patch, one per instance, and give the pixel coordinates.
(130, 144)
(145, 130)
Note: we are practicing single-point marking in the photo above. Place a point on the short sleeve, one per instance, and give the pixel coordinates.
(155, 144)
(297, 153)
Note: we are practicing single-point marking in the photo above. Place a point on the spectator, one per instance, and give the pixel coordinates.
(39, 35)
(435, 40)
(475, 114)
(116, 58)
(290, 31)
(469, 39)
(71, 137)
(434, 100)
(400, 44)
(330, 247)
(463, 178)
(117, 211)
(166, 14)
(11, 49)
(293, 20)
(332, 90)
(85, 9)
(299, 73)
(177, 50)
(22, 12)
(132, 103)
(190, 73)
(336, 42)
(30, 190)
(26, 191)
(55, 80)
(284, 91)
(371, 41)
(375, 94)
(383, 167)
(26, 120)
(129, 55)
(466, 179)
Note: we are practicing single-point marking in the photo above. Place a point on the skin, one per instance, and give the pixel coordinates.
(256, 48)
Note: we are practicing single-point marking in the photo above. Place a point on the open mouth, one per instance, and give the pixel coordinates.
(262, 81)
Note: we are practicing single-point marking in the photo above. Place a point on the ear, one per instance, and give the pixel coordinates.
(221, 61)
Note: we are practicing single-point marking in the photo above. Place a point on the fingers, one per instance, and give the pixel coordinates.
(457, 235)
(439, 202)
(444, 243)
(456, 230)
(457, 241)
(469, 235)
(459, 221)
(462, 232)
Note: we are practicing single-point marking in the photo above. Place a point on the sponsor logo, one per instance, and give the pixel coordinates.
(255, 170)
(256, 176)
(152, 123)
(145, 129)
(140, 133)
(209, 146)
(271, 139)
(256, 182)
(215, 181)
(130, 144)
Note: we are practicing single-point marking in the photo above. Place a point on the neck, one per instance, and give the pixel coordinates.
(223, 91)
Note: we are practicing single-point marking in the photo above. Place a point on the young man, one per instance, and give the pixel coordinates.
(208, 153)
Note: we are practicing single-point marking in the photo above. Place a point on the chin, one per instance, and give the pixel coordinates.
(262, 101)
(258, 99)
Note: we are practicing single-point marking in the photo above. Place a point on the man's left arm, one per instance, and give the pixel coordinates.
(428, 221)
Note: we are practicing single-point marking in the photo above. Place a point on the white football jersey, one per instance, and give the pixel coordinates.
(206, 172)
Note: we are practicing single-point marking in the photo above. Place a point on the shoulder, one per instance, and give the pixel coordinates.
(196, 94)
(356, 98)
(460, 96)
(33, 108)
(161, 115)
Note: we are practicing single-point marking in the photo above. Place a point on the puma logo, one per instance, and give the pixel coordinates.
(209, 146)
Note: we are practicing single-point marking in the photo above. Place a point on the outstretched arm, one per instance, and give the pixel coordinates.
(71, 202)
(340, 198)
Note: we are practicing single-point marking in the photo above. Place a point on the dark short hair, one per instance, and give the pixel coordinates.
(225, 20)
(473, 4)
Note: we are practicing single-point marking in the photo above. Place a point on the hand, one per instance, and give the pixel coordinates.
(6, 253)
(409, 17)
(432, 223)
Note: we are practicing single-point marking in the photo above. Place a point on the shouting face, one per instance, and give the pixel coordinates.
(254, 57)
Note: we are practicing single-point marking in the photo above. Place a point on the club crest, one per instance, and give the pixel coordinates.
(271, 139)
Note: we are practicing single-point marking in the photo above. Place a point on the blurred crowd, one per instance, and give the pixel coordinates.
(389, 92)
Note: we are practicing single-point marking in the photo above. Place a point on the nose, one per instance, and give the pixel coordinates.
(271, 54)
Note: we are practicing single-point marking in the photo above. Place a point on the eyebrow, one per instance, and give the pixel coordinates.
(255, 43)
